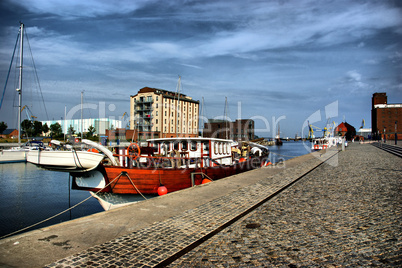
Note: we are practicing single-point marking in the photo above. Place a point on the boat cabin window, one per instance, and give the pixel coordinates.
(176, 145)
(184, 145)
(193, 146)
(215, 148)
(206, 146)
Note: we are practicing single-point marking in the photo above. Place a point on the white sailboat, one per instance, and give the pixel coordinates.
(66, 159)
(17, 154)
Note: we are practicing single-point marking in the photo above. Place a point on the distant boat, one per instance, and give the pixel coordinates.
(278, 140)
(19, 154)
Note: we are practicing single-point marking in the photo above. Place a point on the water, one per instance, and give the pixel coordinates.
(30, 195)
(288, 150)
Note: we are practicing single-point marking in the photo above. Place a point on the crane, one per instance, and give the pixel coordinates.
(30, 117)
(311, 130)
(363, 124)
(122, 118)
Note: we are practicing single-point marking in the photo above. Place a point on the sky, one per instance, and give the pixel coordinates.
(276, 62)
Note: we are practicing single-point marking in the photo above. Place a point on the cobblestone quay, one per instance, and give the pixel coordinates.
(345, 211)
(346, 214)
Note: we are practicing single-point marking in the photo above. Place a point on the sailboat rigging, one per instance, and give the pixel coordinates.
(18, 154)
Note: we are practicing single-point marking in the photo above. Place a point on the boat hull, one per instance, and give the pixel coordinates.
(122, 180)
(65, 160)
(13, 156)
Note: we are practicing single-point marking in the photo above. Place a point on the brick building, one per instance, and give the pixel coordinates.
(10, 133)
(385, 118)
(345, 129)
(239, 130)
(158, 113)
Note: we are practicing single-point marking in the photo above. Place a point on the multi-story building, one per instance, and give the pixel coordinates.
(385, 118)
(158, 113)
(239, 130)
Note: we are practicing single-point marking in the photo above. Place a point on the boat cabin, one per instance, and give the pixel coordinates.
(185, 152)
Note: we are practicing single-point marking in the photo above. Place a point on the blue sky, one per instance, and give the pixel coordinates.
(273, 60)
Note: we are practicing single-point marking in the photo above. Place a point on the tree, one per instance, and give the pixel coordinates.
(37, 128)
(27, 127)
(55, 130)
(91, 131)
(71, 130)
(3, 126)
(45, 128)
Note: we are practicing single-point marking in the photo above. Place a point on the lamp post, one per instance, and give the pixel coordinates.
(385, 137)
(396, 134)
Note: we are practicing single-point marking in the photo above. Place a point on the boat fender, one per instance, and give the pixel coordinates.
(204, 181)
(242, 159)
(93, 150)
(162, 190)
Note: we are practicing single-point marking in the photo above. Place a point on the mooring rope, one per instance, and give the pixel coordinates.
(58, 214)
(134, 185)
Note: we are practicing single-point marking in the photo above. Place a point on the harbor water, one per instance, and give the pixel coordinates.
(31, 195)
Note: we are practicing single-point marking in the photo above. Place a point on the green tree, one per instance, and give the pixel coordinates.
(3, 126)
(71, 130)
(27, 127)
(91, 131)
(45, 128)
(37, 128)
(55, 130)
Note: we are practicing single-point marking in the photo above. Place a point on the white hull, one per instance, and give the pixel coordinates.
(13, 156)
(111, 201)
(323, 143)
(65, 160)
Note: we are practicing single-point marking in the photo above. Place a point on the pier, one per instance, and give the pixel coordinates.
(328, 208)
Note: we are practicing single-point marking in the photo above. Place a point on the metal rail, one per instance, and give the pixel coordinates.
(395, 150)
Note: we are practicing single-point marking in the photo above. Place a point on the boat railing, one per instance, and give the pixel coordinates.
(160, 161)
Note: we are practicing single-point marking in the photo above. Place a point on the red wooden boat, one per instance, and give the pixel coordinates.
(170, 164)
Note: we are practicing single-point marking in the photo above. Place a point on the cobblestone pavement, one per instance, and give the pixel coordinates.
(344, 215)
(157, 244)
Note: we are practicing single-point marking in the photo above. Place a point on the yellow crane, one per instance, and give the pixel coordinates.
(122, 118)
(30, 117)
(311, 130)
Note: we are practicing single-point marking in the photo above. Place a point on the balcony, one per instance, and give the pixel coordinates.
(143, 101)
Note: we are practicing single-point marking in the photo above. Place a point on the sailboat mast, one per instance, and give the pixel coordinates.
(19, 89)
(226, 117)
(82, 108)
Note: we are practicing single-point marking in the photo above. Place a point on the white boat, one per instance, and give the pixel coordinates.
(63, 159)
(323, 143)
(19, 154)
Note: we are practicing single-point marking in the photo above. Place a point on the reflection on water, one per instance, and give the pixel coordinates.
(30, 195)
